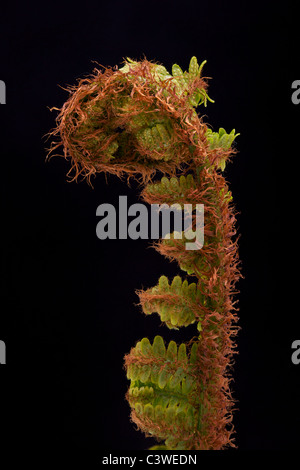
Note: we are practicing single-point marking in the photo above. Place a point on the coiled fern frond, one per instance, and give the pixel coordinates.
(136, 121)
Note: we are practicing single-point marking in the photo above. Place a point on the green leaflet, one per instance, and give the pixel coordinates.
(155, 370)
(159, 348)
(145, 393)
(174, 188)
(193, 353)
(176, 285)
(146, 348)
(163, 284)
(163, 377)
(179, 79)
(168, 421)
(182, 356)
(221, 139)
(193, 67)
(183, 81)
(177, 377)
(159, 366)
(148, 411)
(145, 372)
(156, 138)
(177, 71)
(178, 303)
(172, 351)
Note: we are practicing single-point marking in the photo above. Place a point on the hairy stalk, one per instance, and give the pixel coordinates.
(136, 121)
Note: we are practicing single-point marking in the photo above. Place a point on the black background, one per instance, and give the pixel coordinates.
(67, 305)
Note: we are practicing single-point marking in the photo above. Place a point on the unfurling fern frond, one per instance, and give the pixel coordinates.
(136, 121)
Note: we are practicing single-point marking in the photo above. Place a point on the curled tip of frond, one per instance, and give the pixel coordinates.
(137, 120)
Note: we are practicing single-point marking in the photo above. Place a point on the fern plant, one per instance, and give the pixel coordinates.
(138, 120)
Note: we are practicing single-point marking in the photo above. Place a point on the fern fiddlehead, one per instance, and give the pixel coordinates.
(136, 121)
